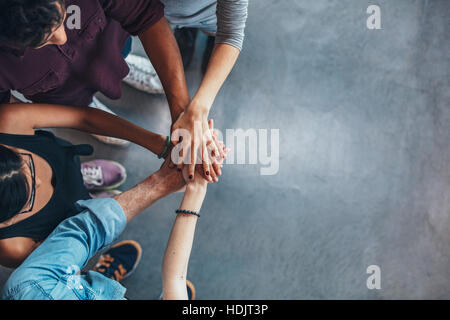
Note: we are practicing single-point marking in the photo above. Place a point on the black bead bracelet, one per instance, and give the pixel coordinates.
(187, 212)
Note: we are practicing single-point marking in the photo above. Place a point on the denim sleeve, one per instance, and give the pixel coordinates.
(231, 19)
(71, 244)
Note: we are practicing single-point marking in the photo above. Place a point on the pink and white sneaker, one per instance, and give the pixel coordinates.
(102, 174)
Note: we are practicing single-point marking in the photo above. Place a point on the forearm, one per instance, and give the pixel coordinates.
(146, 193)
(231, 20)
(24, 118)
(176, 257)
(103, 123)
(222, 60)
(162, 50)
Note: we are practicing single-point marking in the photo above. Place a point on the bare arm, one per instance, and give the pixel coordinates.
(162, 183)
(13, 251)
(222, 60)
(162, 50)
(231, 18)
(24, 118)
(178, 250)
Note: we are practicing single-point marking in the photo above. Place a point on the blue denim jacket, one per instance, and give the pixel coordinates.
(52, 270)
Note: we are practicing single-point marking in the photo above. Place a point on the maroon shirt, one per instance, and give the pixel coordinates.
(90, 61)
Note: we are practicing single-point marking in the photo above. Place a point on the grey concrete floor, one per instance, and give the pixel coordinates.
(364, 175)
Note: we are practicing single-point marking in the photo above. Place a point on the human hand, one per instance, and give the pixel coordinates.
(199, 183)
(193, 127)
(217, 159)
(172, 179)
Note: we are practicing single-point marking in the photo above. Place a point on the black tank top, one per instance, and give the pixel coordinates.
(67, 181)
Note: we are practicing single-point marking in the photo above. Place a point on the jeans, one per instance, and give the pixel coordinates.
(127, 48)
(52, 271)
(208, 27)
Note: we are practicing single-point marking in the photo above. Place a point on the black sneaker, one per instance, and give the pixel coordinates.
(120, 260)
(186, 42)
(208, 51)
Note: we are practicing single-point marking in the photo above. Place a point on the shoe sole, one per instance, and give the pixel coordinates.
(119, 145)
(135, 86)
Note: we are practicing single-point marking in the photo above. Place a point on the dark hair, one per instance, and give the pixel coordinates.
(26, 23)
(14, 187)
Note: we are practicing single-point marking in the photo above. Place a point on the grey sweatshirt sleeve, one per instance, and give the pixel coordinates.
(231, 19)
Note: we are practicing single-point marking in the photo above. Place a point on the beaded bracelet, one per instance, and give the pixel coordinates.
(188, 212)
(166, 147)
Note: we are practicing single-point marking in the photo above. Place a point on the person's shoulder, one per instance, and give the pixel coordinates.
(22, 284)
(13, 251)
(13, 118)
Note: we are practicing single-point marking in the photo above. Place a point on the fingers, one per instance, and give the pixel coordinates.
(205, 144)
(216, 162)
(211, 124)
(219, 146)
(180, 164)
(191, 166)
(175, 139)
(205, 163)
(219, 151)
(217, 169)
(169, 157)
(213, 174)
(215, 153)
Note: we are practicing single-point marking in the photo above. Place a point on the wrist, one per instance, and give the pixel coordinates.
(175, 112)
(198, 109)
(154, 183)
(196, 188)
(166, 148)
(193, 198)
(167, 181)
(159, 145)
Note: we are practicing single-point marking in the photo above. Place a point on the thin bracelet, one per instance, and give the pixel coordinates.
(166, 147)
(187, 212)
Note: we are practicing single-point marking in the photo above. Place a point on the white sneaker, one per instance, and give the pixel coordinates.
(142, 75)
(108, 140)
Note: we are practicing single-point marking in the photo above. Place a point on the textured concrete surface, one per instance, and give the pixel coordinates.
(364, 174)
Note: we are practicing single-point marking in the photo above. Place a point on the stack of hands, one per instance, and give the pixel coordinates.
(196, 142)
(197, 172)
